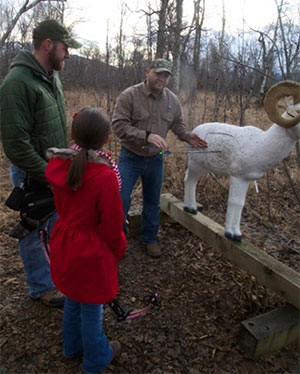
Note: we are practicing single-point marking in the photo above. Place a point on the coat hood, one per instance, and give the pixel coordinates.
(27, 59)
(60, 160)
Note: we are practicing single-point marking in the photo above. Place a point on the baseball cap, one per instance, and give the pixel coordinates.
(54, 30)
(160, 65)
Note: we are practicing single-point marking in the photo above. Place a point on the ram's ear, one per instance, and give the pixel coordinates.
(280, 91)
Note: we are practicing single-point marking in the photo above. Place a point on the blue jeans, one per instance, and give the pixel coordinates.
(151, 171)
(36, 267)
(17, 176)
(83, 334)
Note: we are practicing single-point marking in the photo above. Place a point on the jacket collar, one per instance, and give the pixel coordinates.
(27, 59)
(69, 154)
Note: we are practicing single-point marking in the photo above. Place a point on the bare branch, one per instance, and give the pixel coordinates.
(24, 8)
(249, 67)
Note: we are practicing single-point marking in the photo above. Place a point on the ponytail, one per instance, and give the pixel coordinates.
(90, 129)
(76, 169)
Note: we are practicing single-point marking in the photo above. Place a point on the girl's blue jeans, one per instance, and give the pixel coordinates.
(151, 171)
(83, 334)
(36, 267)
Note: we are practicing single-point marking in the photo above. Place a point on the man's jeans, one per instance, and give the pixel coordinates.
(151, 171)
(36, 267)
(83, 335)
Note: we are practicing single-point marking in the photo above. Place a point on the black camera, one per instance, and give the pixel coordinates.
(15, 199)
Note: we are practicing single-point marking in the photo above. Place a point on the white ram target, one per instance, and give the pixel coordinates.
(244, 153)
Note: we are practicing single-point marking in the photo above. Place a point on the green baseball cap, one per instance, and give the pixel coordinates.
(54, 30)
(160, 65)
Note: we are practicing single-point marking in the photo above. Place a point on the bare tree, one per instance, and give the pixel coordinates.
(20, 24)
(193, 39)
(120, 48)
(150, 32)
(177, 45)
(288, 45)
(199, 15)
(107, 63)
(267, 60)
(24, 8)
(150, 29)
(51, 10)
(162, 21)
(280, 45)
(288, 49)
(220, 74)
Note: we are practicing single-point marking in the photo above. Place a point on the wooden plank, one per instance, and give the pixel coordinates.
(266, 269)
(270, 331)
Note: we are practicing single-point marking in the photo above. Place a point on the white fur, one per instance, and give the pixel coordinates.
(246, 153)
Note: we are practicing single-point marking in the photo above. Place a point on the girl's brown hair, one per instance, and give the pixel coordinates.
(90, 130)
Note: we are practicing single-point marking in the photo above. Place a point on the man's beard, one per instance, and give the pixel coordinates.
(56, 63)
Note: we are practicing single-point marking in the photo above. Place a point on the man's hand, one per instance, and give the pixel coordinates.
(158, 141)
(196, 141)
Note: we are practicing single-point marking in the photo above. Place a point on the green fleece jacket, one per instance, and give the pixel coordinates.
(32, 116)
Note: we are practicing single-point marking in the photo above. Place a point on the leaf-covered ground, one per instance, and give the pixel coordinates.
(204, 299)
(204, 296)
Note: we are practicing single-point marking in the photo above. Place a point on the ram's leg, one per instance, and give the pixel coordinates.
(192, 175)
(236, 201)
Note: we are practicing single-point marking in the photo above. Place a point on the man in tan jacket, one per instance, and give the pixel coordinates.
(143, 115)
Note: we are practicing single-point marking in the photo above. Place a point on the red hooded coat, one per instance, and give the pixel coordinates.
(87, 240)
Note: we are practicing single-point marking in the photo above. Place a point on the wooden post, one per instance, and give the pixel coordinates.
(270, 331)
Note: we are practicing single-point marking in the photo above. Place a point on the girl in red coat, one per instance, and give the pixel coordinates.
(87, 240)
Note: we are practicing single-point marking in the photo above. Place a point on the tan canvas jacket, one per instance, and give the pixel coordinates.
(138, 111)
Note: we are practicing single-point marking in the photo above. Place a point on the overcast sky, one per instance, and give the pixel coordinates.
(95, 14)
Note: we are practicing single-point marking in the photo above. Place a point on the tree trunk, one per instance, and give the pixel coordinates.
(160, 48)
(176, 51)
(198, 33)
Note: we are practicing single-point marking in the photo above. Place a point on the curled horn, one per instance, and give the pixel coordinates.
(275, 93)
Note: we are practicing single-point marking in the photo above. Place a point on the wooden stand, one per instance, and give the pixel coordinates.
(269, 331)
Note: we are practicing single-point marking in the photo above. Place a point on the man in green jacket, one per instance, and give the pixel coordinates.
(32, 120)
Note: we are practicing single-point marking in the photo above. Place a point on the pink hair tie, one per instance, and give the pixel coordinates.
(74, 115)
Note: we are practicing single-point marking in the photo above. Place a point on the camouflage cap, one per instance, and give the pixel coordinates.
(160, 65)
(54, 30)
